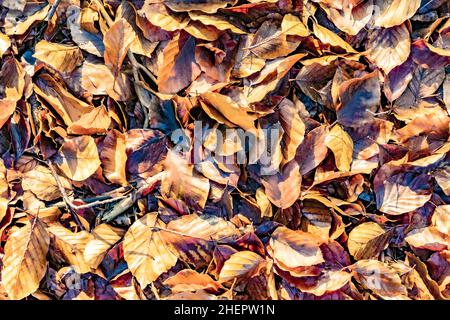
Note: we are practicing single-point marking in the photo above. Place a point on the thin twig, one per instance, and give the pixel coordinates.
(52, 11)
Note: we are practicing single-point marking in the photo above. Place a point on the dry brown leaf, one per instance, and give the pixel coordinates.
(114, 158)
(41, 182)
(389, 48)
(392, 13)
(191, 280)
(145, 252)
(295, 248)
(118, 40)
(241, 265)
(78, 158)
(24, 262)
(96, 121)
(341, 144)
(378, 277)
(62, 58)
(180, 181)
(367, 240)
(101, 239)
(428, 238)
(178, 68)
(283, 188)
(71, 246)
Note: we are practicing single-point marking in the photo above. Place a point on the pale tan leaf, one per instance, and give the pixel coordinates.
(78, 158)
(403, 193)
(263, 203)
(101, 239)
(230, 110)
(90, 42)
(392, 13)
(283, 189)
(367, 240)
(118, 40)
(68, 107)
(275, 70)
(241, 265)
(441, 219)
(180, 181)
(208, 6)
(292, 25)
(295, 248)
(207, 227)
(24, 262)
(114, 158)
(378, 277)
(429, 238)
(5, 43)
(293, 126)
(329, 37)
(41, 183)
(178, 68)
(352, 18)
(96, 121)
(71, 245)
(341, 144)
(442, 177)
(63, 58)
(145, 252)
(191, 280)
(389, 48)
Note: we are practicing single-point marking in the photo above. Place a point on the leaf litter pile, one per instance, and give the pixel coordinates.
(128, 167)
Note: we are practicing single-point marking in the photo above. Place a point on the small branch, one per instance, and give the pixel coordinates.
(52, 11)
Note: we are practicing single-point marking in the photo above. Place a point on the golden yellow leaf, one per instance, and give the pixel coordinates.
(295, 248)
(71, 246)
(101, 239)
(241, 265)
(389, 48)
(63, 58)
(392, 13)
(5, 43)
(367, 240)
(78, 158)
(329, 37)
(25, 262)
(114, 157)
(145, 252)
(341, 144)
(41, 183)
